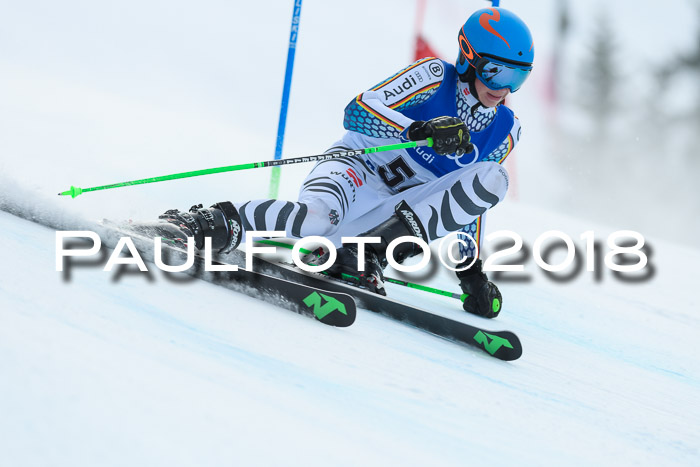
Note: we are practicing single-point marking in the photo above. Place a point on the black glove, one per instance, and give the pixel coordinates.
(450, 135)
(483, 298)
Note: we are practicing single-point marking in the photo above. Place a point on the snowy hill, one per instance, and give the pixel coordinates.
(128, 368)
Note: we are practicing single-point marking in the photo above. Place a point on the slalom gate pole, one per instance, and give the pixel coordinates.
(411, 285)
(275, 175)
(76, 191)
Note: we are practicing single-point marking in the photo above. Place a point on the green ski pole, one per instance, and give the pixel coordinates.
(76, 191)
(412, 285)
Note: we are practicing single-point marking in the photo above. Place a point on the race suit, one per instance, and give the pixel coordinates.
(349, 195)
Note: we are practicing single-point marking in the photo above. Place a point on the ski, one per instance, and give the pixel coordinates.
(334, 308)
(308, 294)
(504, 345)
(329, 307)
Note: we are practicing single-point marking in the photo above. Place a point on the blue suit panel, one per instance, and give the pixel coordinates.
(444, 103)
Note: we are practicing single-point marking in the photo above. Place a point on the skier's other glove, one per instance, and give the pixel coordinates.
(450, 135)
(483, 297)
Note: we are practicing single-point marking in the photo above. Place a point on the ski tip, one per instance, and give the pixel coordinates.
(511, 355)
(339, 321)
(332, 308)
(504, 345)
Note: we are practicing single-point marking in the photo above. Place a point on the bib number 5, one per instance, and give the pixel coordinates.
(395, 172)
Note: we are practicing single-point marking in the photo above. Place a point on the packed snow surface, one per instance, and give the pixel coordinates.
(123, 367)
(130, 368)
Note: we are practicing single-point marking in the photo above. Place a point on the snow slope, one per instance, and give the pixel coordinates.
(131, 368)
(135, 369)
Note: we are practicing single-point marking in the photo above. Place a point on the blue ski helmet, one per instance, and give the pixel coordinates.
(499, 46)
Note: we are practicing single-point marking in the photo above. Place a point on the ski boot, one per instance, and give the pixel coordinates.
(221, 222)
(345, 267)
(402, 223)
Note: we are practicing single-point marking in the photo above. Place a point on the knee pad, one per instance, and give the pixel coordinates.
(320, 218)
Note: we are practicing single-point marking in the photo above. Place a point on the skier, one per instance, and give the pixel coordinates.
(422, 192)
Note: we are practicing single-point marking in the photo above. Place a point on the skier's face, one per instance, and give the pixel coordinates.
(489, 97)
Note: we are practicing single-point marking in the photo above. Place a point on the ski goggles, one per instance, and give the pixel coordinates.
(499, 75)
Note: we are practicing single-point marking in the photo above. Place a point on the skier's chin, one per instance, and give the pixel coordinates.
(490, 99)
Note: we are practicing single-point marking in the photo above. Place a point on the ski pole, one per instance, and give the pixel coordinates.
(76, 191)
(412, 285)
(291, 51)
(425, 288)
